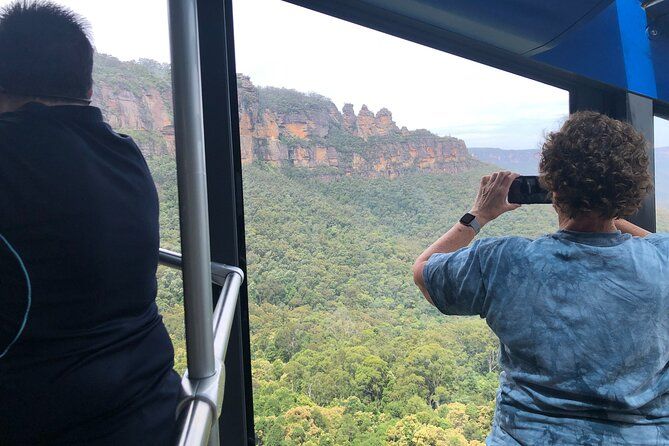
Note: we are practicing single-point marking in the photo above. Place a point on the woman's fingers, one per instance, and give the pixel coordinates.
(504, 179)
(509, 177)
(491, 199)
(500, 178)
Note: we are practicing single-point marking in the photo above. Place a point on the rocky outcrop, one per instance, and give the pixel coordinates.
(287, 128)
(277, 126)
(349, 120)
(136, 98)
(147, 117)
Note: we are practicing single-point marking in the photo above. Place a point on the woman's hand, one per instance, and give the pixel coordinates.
(491, 201)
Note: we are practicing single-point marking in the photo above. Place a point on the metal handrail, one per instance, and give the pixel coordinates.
(200, 406)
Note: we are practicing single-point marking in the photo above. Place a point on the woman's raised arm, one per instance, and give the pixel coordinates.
(630, 228)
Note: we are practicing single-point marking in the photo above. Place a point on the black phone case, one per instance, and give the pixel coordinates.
(527, 190)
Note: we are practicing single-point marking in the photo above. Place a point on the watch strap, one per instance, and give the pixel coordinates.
(475, 225)
(471, 221)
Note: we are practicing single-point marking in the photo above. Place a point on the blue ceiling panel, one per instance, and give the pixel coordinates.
(592, 50)
(614, 48)
(519, 26)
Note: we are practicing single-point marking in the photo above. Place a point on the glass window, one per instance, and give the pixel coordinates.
(662, 173)
(359, 149)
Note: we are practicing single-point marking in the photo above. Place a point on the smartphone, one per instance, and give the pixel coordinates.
(527, 190)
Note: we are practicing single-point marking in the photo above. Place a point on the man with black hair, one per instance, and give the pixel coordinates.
(84, 356)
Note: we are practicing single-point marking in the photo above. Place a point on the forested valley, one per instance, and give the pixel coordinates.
(345, 349)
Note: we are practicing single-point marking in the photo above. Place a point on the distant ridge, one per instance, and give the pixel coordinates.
(524, 162)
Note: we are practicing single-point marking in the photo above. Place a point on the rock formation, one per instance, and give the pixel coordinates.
(277, 126)
(287, 128)
(136, 98)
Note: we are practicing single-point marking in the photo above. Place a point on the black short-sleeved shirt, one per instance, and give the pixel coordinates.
(93, 364)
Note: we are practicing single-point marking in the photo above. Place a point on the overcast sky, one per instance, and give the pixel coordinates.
(283, 45)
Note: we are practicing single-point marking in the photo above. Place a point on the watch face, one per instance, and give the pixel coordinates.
(467, 218)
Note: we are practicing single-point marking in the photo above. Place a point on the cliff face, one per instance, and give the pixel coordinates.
(277, 126)
(285, 127)
(136, 98)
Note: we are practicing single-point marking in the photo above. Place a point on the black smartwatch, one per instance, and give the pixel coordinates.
(471, 221)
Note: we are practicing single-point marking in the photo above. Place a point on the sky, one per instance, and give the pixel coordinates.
(282, 45)
(288, 46)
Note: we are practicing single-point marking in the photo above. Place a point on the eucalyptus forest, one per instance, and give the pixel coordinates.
(345, 349)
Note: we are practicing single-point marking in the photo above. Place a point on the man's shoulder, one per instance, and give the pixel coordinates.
(14, 130)
(19, 125)
(12, 120)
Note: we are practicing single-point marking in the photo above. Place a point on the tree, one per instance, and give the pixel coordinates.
(433, 364)
(428, 435)
(371, 378)
(402, 433)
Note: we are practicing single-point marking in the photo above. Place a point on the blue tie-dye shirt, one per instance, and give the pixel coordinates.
(583, 323)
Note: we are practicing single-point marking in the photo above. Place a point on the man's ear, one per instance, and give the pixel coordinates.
(89, 94)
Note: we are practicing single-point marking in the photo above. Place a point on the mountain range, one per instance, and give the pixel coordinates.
(524, 162)
(284, 127)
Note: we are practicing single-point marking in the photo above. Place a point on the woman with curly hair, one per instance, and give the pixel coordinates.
(582, 315)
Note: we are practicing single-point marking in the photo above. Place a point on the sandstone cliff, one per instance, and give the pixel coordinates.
(285, 127)
(136, 98)
(277, 126)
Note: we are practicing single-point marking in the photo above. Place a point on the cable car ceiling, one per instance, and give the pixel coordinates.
(621, 43)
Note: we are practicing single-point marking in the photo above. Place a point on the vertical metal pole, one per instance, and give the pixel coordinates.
(192, 182)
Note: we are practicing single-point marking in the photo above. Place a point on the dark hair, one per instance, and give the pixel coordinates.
(44, 51)
(596, 165)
